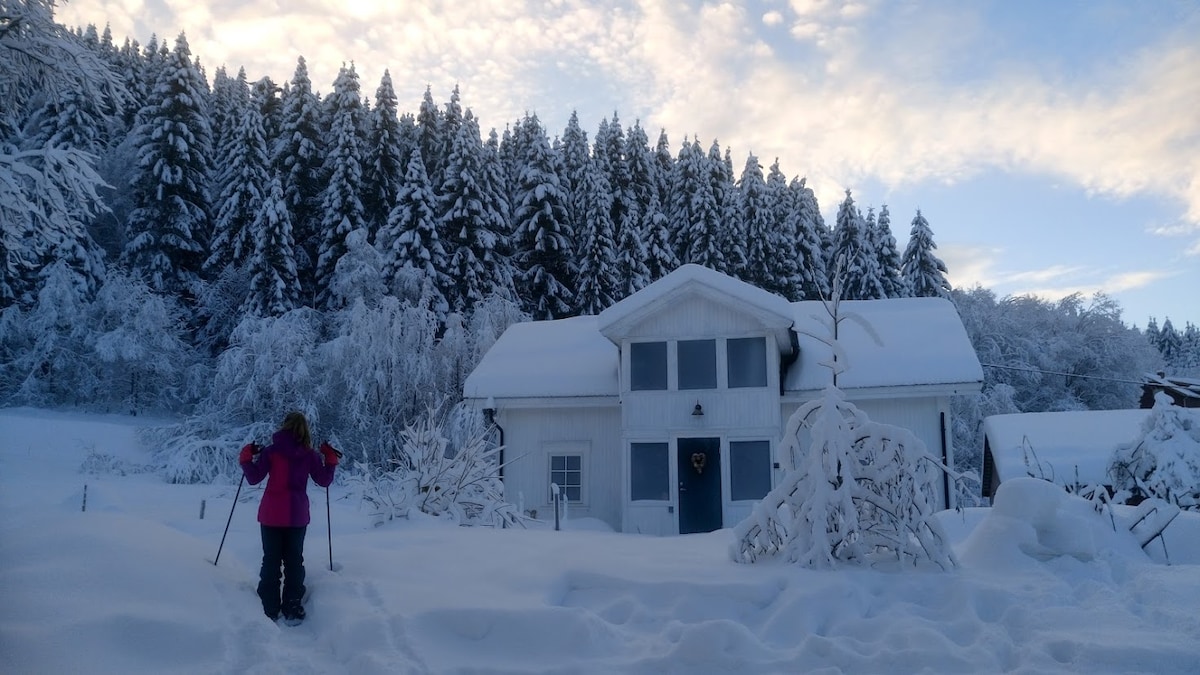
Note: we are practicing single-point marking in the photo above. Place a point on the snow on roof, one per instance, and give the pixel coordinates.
(1066, 447)
(922, 341)
(566, 357)
(775, 311)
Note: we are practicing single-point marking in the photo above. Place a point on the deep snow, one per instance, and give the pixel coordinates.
(128, 586)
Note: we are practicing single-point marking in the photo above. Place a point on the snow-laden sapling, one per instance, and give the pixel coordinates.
(857, 491)
(1164, 461)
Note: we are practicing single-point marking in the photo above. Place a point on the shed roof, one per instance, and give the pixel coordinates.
(1066, 447)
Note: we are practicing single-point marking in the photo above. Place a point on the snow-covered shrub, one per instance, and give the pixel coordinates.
(1164, 461)
(430, 476)
(202, 449)
(858, 491)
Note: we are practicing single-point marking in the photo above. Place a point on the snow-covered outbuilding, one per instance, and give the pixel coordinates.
(662, 414)
(1070, 448)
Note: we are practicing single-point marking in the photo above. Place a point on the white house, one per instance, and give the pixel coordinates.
(662, 414)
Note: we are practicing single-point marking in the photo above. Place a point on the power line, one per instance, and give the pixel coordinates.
(1055, 372)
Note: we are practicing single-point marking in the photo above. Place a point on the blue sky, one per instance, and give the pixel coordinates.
(1053, 145)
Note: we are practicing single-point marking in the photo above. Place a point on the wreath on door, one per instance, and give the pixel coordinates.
(699, 459)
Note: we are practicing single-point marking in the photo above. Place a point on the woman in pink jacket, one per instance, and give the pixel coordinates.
(287, 464)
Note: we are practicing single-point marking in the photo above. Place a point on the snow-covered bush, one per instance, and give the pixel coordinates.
(857, 491)
(431, 476)
(1164, 461)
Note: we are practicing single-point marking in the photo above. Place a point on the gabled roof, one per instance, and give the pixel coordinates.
(922, 343)
(774, 311)
(1065, 447)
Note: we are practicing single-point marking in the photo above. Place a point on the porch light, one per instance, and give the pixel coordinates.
(698, 411)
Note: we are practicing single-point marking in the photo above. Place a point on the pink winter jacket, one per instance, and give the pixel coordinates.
(287, 465)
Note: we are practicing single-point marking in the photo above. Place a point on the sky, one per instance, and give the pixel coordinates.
(1054, 147)
(126, 583)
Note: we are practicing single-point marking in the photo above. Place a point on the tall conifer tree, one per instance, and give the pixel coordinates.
(923, 270)
(170, 224)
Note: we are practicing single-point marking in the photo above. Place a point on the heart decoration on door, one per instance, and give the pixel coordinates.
(699, 459)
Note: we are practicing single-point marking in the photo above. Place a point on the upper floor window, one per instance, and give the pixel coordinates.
(746, 362)
(648, 366)
(697, 364)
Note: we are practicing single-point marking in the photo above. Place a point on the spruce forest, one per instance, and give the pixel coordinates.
(224, 248)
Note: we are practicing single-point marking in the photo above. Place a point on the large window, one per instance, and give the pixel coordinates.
(649, 472)
(749, 469)
(648, 366)
(566, 471)
(747, 362)
(697, 364)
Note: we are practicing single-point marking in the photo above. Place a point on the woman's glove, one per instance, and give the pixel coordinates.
(330, 454)
(248, 452)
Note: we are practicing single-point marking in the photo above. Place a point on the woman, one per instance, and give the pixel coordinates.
(287, 463)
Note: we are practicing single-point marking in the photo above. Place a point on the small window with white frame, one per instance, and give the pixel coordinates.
(565, 461)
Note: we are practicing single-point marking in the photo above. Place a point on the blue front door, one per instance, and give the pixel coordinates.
(699, 484)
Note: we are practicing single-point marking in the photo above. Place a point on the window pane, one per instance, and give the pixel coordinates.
(566, 471)
(649, 471)
(697, 364)
(648, 366)
(747, 362)
(749, 469)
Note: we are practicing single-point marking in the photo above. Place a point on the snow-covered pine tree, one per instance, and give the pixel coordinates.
(1164, 460)
(274, 284)
(169, 228)
(543, 241)
(760, 250)
(358, 275)
(576, 155)
(648, 256)
(921, 267)
(430, 137)
(298, 156)
(811, 241)
(341, 206)
(595, 248)
(383, 169)
(730, 230)
(471, 222)
(264, 95)
(694, 213)
(888, 255)
(242, 186)
(632, 266)
(415, 265)
(854, 254)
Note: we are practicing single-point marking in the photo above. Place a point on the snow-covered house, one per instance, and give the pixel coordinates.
(1070, 448)
(663, 413)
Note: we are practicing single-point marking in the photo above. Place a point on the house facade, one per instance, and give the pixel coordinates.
(664, 414)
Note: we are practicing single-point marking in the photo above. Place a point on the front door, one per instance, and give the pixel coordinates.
(699, 484)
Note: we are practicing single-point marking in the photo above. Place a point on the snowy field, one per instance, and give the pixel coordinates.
(129, 586)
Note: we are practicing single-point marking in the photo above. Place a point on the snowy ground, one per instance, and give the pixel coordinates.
(129, 587)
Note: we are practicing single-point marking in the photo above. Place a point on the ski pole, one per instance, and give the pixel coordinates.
(329, 528)
(227, 522)
(329, 525)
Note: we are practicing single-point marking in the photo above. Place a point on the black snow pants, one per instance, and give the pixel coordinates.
(283, 547)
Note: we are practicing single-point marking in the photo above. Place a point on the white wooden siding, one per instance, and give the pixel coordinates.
(696, 317)
(922, 416)
(532, 435)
